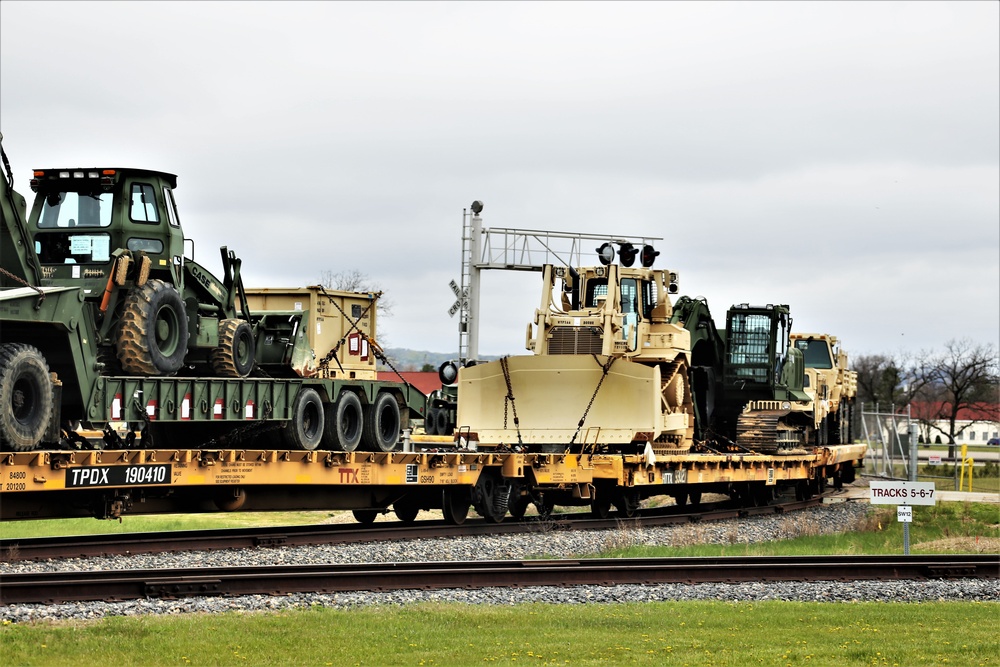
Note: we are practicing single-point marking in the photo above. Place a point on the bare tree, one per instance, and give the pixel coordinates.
(963, 377)
(358, 281)
(879, 378)
(889, 380)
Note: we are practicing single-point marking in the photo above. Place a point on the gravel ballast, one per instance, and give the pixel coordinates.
(841, 517)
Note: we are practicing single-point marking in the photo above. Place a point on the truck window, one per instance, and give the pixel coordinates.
(168, 198)
(151, 246)
(76, 209)
(143, 207)
(815, 353)
(73, 248)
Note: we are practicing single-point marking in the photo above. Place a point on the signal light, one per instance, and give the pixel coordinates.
(606, 253)
(627, 253)
(448, 373)
(648, 256)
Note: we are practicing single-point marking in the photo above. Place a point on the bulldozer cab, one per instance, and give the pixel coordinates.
(609, 310)
(81, 217)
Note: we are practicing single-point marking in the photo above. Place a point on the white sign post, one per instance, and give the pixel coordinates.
(903, 495)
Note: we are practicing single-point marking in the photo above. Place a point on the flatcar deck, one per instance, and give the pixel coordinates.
(138, 481)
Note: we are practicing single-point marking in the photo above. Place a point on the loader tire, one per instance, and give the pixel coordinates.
(25, 397)
(344, 420)
(234, 358)
(382, 424)
(153, 336)
(305, 429)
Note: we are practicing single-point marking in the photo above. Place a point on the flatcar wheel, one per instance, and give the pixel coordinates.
(367, 517)
(600, 505)
(405, 511)
(544, 508)
(455, 505)
(627, 505)
(519, 507)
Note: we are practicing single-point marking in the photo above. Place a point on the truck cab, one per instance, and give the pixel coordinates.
(80, 217)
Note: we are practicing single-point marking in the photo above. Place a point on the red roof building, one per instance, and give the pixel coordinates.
(426, 382)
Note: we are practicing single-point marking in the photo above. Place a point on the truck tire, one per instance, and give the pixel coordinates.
(25, 397)
(235, 356)
(153, 336)
(443, 421)
(382, 424)
(430, 421)
(305, 429)
(344, 421)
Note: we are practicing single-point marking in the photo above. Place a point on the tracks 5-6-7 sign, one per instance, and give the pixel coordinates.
(902, 493)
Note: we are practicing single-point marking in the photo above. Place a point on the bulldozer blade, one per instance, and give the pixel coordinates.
(551, 394)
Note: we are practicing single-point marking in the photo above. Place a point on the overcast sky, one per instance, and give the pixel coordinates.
(843, 158)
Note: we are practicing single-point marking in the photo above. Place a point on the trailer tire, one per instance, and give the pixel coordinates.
(235, 356)
(443, 422)
(344, 419)
(153, 336)
(305, 429)
(382, 424)
(430, 421)
(25, 397)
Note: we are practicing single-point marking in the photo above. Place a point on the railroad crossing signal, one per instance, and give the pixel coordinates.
(461, 302)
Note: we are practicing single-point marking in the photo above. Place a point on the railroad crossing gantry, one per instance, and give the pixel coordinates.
(513, 250)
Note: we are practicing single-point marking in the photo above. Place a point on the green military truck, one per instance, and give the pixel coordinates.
(105, 317)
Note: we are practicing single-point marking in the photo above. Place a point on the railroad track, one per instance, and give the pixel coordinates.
(55, 587)
(86, 546)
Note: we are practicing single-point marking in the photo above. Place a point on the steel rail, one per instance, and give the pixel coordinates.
(84, 546)
(54, 587)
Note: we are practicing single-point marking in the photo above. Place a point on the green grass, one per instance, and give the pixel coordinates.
(985, 479)
(157, 522)
(676, 633)
(941, 528)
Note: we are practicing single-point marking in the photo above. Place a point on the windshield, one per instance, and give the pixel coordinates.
(815, 353)
(76, 209)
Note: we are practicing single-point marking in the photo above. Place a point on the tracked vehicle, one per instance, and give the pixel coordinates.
(618, 367)
(610, 367)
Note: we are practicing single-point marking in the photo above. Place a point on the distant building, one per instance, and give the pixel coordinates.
(426, 382)
(974, 426)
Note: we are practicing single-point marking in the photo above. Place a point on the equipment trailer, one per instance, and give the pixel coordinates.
(104, 319)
